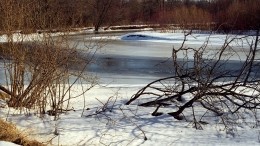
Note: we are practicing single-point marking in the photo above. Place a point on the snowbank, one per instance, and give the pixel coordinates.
(146, 36)
(192, 39)
(5, 143)
(125, 124)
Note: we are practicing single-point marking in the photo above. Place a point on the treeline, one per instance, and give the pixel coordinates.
(33, 15)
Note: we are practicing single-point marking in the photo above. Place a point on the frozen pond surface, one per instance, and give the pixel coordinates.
(140, 62)
(121, 59)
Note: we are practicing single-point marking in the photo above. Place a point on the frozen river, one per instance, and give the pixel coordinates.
(118, 61)
(137, 62)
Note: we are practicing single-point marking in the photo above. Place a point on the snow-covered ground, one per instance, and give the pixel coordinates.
(126, 125)
(145, 35)
(238, 45)
(192, 39)
(5, 143)
(123, 124)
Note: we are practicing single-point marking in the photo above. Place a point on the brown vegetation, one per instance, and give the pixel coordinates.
(66, 14)
(4, 96)
(37, 73)
(240, 15)
(8, 132)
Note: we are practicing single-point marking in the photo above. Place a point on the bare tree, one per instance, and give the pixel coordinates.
(208, 81)
(99, 10)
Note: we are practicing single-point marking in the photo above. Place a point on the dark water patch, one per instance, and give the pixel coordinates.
(163, 67)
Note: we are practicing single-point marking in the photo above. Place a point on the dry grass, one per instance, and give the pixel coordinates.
(3, 95)
(8, 132)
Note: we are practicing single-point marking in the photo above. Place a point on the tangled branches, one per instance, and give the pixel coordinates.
(213, 80)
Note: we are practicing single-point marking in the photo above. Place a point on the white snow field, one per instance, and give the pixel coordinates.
(193, 38)
(127, 125)
(5, 143)
(133, 125)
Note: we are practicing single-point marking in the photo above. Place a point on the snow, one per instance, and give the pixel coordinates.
(126, 124)
(41, 34)
(123, 124)
(18, 37)
(238, 45)
(192, 39)
(146, 36)
(5, 143)
(142, 35)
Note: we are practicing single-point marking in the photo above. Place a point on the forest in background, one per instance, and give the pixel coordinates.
(32, 15)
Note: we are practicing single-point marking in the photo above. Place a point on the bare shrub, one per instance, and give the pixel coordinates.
(38, 74)
(205, 81)
(39, 69)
